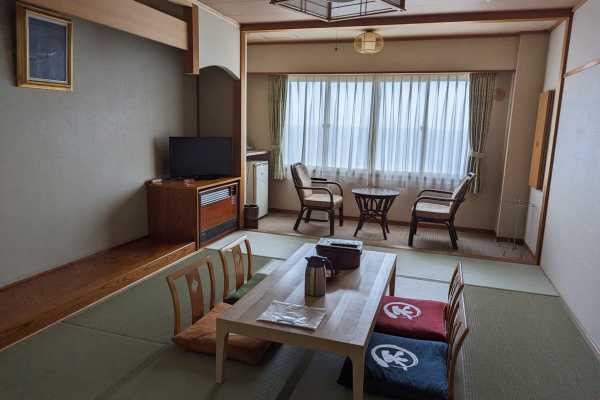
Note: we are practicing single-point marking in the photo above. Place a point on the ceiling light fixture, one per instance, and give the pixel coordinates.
(338, 10)
(368, 42)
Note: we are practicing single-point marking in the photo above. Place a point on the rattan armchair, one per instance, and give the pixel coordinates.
(323, 200)
(440, 209)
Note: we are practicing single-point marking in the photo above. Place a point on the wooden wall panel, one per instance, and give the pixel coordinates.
(540, 139)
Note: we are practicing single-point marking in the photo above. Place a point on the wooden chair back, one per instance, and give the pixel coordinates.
(457, 283)
(194, 286)
(458, 333)
(238, 263)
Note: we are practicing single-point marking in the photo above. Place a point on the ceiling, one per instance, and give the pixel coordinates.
(403, 31)
(252, 11)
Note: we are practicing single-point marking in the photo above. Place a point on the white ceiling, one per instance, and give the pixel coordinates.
(403, 31)
(251, 11)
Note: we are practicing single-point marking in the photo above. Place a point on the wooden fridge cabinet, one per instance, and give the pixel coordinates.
(199, 211)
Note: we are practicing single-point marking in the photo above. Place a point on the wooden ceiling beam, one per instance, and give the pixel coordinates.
(482, 16)
(125, 15)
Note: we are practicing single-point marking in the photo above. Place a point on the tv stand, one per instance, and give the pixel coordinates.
(201, 211)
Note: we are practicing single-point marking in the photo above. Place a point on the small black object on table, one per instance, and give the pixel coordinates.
(374, 205)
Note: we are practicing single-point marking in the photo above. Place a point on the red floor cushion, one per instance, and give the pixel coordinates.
(413, 318)
(201, 338)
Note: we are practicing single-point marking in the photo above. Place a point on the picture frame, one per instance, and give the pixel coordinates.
(44, 49)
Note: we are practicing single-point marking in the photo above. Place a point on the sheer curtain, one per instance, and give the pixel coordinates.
(392, 129)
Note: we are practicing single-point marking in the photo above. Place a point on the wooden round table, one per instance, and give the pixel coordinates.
(374, 205)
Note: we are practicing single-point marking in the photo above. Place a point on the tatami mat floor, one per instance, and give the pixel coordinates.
(522, 346)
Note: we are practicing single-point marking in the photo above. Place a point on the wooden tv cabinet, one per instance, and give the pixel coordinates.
(201, 211)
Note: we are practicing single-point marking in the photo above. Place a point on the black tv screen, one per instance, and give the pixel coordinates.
(200, 157)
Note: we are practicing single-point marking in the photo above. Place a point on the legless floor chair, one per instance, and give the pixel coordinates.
(200, 336)
(245, 278)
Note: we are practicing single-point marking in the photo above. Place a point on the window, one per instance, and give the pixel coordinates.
(400, 124)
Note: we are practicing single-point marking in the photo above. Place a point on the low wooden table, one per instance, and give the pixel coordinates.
(352, 301)
(374, 205)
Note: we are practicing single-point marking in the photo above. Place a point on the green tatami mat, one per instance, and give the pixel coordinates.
(145, 310)
(419, 264)
(176, 374)
(524, 346)
(67, 362)
(266, 244)
(492, 274)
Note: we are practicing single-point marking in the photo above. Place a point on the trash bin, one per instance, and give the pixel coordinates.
(251, 216)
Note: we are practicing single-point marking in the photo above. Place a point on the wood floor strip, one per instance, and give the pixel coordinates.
(36, 303)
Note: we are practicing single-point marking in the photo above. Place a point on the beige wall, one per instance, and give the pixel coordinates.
(441, 55)
(571, 255)
(416, 55)
(528, 85)
(73, 165)
(551, 82)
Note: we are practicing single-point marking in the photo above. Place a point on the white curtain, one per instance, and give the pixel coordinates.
(389, 130)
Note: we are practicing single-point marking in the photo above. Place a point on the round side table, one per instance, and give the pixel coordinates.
(374, 205)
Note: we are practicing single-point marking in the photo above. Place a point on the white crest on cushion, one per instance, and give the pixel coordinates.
(399, 309)
(392, 356)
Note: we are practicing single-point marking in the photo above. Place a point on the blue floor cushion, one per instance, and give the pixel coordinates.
(245, 288)
(403, 368)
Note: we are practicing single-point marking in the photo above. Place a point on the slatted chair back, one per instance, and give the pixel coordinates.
(458, 333)
(194, 286)
(457, 283)
(238, 262)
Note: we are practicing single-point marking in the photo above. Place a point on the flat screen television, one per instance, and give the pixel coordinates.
(200, 157)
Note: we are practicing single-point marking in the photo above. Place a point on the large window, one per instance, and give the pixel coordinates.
(400, 124)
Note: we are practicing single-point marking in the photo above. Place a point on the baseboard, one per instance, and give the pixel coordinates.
(401, 223)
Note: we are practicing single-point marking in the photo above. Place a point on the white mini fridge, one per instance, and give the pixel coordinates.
(257, 185)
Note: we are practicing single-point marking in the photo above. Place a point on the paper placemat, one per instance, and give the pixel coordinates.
(293, 315)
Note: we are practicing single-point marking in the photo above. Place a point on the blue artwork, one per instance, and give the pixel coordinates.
(48, 50)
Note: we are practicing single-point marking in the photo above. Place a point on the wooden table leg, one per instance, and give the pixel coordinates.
(392, 288)
(358, 374)
(221, 353)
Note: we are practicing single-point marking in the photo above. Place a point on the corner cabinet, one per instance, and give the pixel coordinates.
(201, 211)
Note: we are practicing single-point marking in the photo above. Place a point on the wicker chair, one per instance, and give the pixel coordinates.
(439, 209)
(323, 200)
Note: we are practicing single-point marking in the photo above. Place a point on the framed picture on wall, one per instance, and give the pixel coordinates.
(44, 49)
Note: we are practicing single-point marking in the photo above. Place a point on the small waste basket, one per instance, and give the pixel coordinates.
(251, 216)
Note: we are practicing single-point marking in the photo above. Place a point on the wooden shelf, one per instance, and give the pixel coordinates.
(254, 153)
(32, 304)
(193, 184)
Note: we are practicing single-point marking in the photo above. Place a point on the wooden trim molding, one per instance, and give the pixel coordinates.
(240, 137)
(409, 38)
(552, 141)
(191, 58)
(363, 72)
(499, 16)
(125, 15)
(582, 68)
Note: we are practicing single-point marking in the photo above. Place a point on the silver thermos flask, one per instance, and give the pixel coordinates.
(315, 276)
